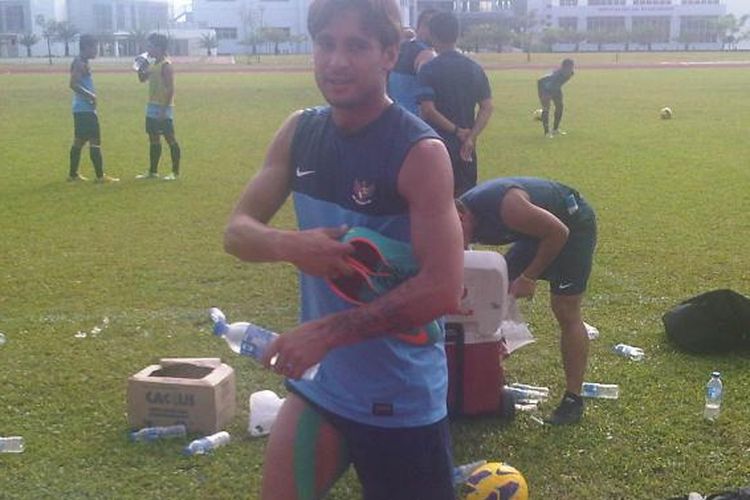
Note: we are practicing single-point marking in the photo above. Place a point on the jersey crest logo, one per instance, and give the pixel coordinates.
(363, 192)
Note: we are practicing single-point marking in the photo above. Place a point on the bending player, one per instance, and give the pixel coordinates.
(553, 231)
(550, 90)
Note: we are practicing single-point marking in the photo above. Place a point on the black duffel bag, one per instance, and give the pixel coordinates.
(713, 322)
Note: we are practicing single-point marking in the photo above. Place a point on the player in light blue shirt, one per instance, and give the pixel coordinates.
(376, 402)
(85, 119)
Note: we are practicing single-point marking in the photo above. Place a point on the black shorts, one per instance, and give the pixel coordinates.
(404, 463)
(569, 273)
(86, 125)
(163, 127)
(556, 95)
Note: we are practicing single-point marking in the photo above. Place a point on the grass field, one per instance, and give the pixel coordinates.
(672, 200)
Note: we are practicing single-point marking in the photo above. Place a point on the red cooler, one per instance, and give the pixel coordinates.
(473, 344)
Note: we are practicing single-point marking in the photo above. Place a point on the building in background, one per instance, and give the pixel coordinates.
(20, 17)
(120, 25)
(262, 26)
(651, 24)
(280, 26)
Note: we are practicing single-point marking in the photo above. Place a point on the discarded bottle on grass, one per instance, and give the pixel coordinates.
(462, 472)
(206, 444)
(538, 388)
(247, 339)
(522, 394)
(714, 394)
(628, 351)
(605, 391)
(11, 444)
(155, 433)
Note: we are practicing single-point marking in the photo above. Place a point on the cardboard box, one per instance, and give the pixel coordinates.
(197, 392)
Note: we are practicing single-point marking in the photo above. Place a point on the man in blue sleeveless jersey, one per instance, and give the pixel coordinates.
(376, 402)
(553, 231)
(550, 90)
(85, 120)
(452, 86)
(412, 54)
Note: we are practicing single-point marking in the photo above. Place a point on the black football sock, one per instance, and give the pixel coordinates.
(174, 150)
(95, 153)
(75, 159)
(154, 154)
(558, 117)
(545, 120)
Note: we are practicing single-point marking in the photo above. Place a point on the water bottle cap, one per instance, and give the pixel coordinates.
(716, 374)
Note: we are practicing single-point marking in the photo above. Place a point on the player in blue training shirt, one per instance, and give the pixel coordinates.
(452, 87)
(550, 90)
(85, 119)
(376, 402)
(412, 54)
(553, 231)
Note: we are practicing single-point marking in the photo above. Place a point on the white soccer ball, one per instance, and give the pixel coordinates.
(537, 115)
(666, 113)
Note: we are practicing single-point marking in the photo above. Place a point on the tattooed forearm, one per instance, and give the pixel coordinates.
(397, 312)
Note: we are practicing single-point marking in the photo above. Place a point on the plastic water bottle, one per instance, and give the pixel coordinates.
(155, 433)
(247, 339)
(462, 472)
(538, 388)
(522, 394)
(11, 444)
(141, 61)
(605, 391)
(206, 444)
(628, 351)
(714, 393)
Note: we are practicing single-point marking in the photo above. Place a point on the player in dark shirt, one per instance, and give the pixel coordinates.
(451, 88)
(553, 232)
(550, 90)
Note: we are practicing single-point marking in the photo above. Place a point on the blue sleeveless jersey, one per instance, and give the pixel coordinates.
(80, 103)
(402, 81)
(352, 179)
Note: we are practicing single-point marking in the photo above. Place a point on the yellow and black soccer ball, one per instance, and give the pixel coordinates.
(496, 481)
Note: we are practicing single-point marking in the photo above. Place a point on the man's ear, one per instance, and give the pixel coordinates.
(390, 56)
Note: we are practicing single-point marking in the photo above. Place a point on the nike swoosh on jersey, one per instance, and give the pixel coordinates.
(565, 285)
(302, 173)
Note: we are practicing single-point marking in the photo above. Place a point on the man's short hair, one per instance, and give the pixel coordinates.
(158, 40)
(444, 27)
(379, 18)
(85, 41)
(567, 62)
(426, 15)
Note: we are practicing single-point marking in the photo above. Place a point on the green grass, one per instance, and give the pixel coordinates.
(672, 202)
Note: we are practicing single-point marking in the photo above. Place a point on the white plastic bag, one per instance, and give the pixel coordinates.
(514, 328)
(264, 406)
